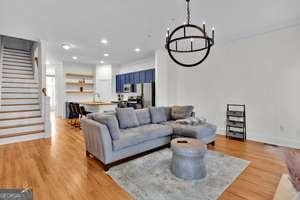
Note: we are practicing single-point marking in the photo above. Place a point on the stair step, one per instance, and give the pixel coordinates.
(19, 90)
(19, 104)
(17, 118)
(19, 108)
(14, 115)
(16, 51)
(5, 60)
(24, 68)
(13, 123)
(13, 71)
(22, 129)
(9, 63)
(19, 55)
(22, 137)
(17, 80)
(13, 56)
(23, 76)
(19, 101)
(20, 85)
(19, 95)
(18, 136)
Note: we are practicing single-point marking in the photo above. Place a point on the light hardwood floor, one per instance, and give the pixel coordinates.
(58, 168)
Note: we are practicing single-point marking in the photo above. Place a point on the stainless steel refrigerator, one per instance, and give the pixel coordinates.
(147, 92)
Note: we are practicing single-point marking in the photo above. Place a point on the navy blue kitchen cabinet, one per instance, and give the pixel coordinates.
(122, 82)
(131, 78)
(142, 76)
(153, 75)
(145, 76)
(127, 78)
(118, 84)
(136, 77)
(148, 77)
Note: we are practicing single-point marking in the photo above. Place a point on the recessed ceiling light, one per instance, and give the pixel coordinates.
(74, 57)
(137, 49)
(106, 54)
(104, 41)
(66, 46)
(102, 62)
(47, 62)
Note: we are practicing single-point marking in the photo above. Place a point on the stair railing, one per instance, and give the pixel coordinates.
(39, 71)
(1, 65)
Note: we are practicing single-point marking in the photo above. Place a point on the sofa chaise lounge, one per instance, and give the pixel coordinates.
(126, 134)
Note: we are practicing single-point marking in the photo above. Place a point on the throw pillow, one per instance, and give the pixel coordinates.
(143, 116)
(111, 123)
(181, 112)
(158, 114)
(168, 113)
(127, 117)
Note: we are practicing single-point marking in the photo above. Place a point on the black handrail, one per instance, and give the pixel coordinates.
(37, 61)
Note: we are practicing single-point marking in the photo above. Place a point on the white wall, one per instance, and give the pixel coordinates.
(138, 65)
(59, 89)
(262, 72)
(104, 82)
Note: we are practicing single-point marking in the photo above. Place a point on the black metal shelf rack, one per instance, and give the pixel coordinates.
(236, 121)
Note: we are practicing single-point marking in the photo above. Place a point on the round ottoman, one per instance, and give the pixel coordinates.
(187, 159)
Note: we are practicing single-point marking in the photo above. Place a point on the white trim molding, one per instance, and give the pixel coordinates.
(259, 137)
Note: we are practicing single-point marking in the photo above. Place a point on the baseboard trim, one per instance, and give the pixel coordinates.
(292, 143)
(22, 138)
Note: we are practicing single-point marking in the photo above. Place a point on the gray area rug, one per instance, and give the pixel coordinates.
(150, 177)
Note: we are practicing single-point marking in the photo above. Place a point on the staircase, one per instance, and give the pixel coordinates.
(20, 112)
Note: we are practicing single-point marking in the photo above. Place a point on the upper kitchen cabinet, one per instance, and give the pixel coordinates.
(153, 75)
(142, 76)
(127, 78)
(131, 78)
(119, 88)
(145, 76)
(149, 76)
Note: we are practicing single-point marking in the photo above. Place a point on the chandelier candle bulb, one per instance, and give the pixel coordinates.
(167, 37)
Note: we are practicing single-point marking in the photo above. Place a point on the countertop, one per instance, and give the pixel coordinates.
(101, 103)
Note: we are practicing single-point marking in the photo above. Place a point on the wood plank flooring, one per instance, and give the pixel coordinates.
(58, 168)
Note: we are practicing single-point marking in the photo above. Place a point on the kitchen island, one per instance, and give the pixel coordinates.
(99, 106)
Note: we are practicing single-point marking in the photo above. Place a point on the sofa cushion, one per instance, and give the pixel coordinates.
(198, 131)
(95, 114)
(143, 116)
(168, 113)
(137, 135)
(111, 123)
(158, 114)
(181, 112)
(127, 117)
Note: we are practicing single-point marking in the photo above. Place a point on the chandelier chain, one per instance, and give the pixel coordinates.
(188, 12)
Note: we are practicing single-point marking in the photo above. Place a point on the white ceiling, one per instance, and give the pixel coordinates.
(128, 24)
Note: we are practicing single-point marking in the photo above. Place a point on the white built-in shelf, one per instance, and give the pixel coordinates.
(80, 84)
(78, 92)
(80, 75)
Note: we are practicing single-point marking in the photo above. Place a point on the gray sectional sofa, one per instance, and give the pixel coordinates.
(125, 134)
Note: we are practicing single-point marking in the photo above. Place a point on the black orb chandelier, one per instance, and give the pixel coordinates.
(195, 38)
